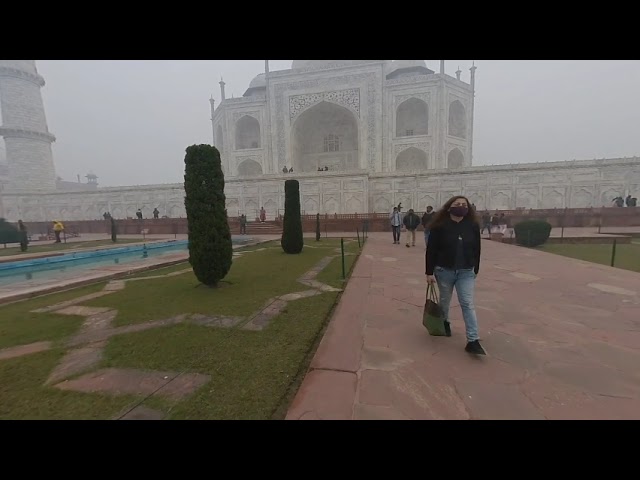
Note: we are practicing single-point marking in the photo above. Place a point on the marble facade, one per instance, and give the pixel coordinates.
(388, 132)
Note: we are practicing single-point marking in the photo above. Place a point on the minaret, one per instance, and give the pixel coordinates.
(213, 129)
(458, 73)
(24, 127)
(222, 84)
(268, 164)
(441, 67)
(473, 100)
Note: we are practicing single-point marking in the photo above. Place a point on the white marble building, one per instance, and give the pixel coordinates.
(388, 132)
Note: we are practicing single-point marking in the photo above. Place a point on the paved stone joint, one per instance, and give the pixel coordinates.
(87, 345)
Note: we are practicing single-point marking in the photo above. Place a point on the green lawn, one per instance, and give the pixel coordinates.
(251, 372)
(332, 273)
(59, 247)
(627, 256)
(254, 374)
(254, 278)
(18, 326)
(24, 397)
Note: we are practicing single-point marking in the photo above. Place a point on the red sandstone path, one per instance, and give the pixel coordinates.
(563, 338)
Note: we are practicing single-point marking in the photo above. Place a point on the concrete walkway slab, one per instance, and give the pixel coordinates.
(563, 338)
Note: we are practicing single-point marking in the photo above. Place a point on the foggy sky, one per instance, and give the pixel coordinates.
(129, 122)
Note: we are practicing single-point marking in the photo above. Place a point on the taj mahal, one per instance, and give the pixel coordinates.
(359, 135)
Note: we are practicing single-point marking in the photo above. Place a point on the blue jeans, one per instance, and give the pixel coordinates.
(426, 237)
(464, 282)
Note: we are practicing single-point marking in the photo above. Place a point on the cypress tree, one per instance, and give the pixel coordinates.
(292, 241)
(210, 248)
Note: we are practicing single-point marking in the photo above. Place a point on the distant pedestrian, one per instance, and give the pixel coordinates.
(396, 222)
(426, 220)
(411, 222)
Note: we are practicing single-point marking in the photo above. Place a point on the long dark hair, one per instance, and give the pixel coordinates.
(443, 214)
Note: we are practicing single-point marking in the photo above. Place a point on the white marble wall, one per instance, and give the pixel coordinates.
(579, 184)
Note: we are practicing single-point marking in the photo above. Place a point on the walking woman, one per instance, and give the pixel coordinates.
(453, 260)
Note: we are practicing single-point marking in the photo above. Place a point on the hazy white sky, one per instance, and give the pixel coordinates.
(130, 121)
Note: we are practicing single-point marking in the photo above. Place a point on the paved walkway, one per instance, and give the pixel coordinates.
(563, 338)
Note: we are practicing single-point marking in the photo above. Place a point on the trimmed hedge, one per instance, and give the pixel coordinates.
(532, 233)
(210, 248)
(292, 241)
(9, 233)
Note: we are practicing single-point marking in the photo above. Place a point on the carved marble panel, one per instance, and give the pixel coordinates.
(424, 200)
(454, 184)
(408, 183)
(239, 114)
(232, 206)
(349, 185)
(349, 98)
(608, 193)
(582, 197)
(331, 204)
(424, 96)
(354, 203)
(401, 147)
(553, 197)
(500, 200)
(332, 186)
(526, 197)
(381, 185)
(406, 199)
(371, 93)
(251, 207)
(618, 174)
(529, 179)
(382, 203)
(272, 188)
(495, 179)
(310, 204)
(474, 181)
(558, 178)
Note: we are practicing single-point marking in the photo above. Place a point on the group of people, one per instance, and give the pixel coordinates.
(452, 257)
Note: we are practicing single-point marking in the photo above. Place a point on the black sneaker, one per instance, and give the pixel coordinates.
(447, 329)
(475, 348)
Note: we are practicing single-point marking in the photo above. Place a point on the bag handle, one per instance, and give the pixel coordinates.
(432, 294)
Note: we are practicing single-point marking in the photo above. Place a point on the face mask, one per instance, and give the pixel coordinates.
(459, 211)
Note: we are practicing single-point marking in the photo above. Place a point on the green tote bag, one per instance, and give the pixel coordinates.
(433, 316)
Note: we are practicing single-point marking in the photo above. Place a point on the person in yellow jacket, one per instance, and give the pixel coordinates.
(58, 228)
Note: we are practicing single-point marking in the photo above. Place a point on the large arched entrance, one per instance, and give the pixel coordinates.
(249, 168)
(412, 118)
(247, 133)
(326, 135)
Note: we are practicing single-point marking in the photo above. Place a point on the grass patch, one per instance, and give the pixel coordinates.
(332, 274)
(25, 398)
(252, 280)
(59, 247)
(251, 372)
(18, 326)
(160, 271)
(627, 256)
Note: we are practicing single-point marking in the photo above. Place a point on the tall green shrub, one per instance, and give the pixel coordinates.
(532, 233)
(114, 231)
(9, 233)
(317, 227)
(210, 248)
(292, 241)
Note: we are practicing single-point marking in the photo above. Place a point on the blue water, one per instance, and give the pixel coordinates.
(46, 268)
